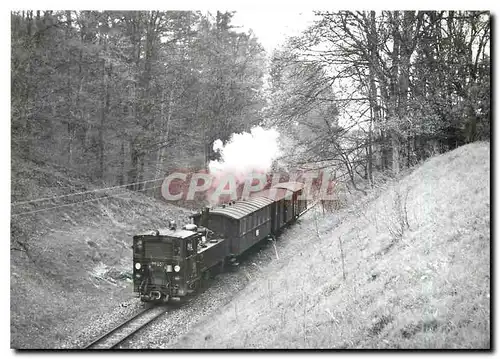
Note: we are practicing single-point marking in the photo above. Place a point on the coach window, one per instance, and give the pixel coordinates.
(190, 247)
(176, 244)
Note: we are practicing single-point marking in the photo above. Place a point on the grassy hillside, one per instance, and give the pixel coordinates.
(416, 271)
(71, 264)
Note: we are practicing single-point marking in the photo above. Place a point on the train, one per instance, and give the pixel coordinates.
(172, 263)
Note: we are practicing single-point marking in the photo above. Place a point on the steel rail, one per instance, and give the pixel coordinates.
(138, 328)
(109, 333)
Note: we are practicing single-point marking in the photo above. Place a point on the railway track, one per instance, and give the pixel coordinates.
(119, 334)
(116, 336)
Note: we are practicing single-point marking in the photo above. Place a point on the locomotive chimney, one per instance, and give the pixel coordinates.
(204, 216)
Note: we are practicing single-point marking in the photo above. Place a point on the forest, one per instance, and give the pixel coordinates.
(392, 106)
(125, 97)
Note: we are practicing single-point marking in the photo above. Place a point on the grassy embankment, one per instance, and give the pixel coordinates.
(416, 271)
(71, 264)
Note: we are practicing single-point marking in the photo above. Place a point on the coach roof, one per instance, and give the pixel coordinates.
(240, 209)
(274, 194)
(291, 186)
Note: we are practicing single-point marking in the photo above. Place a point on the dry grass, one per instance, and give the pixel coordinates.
(417, 263)
(74, 261)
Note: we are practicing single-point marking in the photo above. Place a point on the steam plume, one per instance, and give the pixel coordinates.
(246, 153)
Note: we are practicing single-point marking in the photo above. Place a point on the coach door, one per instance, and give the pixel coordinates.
(295, 209)
(281, 212)
(274, 217)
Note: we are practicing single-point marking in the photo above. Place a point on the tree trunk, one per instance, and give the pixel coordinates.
(374, 107)
(121, 174)
(69, 117)
(106, 73)
(164, 131)
(140, 175)
(406, 49)
(408, 151)
(395, 152)
(133, 169)
(394, 92)
(369, 165)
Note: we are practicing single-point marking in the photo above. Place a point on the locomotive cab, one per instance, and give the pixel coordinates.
(165, 264)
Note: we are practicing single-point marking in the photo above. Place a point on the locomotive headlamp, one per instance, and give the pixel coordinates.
(177, 268)
(138, 266)
(168, 268)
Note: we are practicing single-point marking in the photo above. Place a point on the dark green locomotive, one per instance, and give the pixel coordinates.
(172, 263)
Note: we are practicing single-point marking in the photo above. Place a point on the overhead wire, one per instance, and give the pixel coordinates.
(80, 202)
(80, 193)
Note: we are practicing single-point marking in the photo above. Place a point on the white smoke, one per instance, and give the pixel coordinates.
(246, 153)
(218, 145)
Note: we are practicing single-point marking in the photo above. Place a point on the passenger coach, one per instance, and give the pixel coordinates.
(171, 263)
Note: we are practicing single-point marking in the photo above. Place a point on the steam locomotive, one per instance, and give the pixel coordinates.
(171, 263)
